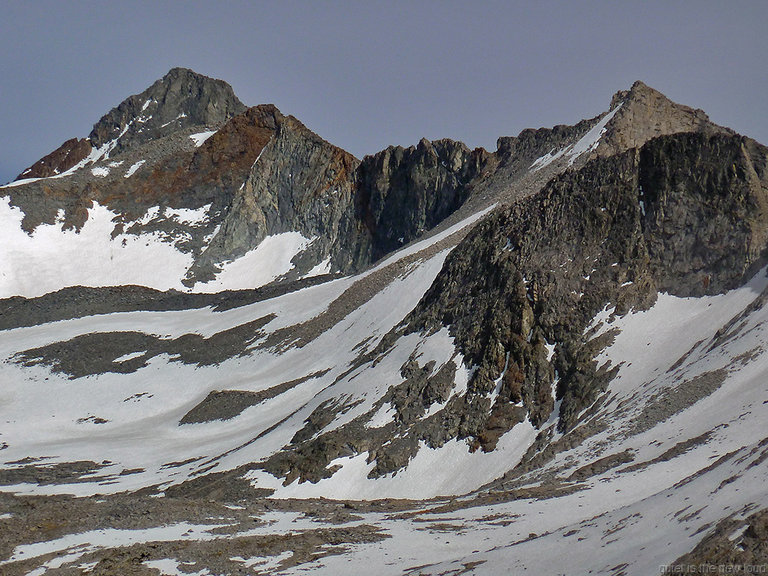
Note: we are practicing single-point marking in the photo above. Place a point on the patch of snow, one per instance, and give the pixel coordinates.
(179, 117)
(109, 146)
(650, 341)
(170, 567)
(132, 170)
(130, 356)
(451, 469)
(601, 317)
(85, 542)
(100, 171)
(189, 216)
(21, 182)
(151, 214)
(547, 159)
(586, 143)
(90, 257)
(383, 416)
(201, 137)
(258, 157)
(212, 235)
(323, 267)
(591, 139)
(738, 533)
(265, 564)
(265, 263)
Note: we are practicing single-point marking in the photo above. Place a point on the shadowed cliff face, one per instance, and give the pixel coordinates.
(403, 192)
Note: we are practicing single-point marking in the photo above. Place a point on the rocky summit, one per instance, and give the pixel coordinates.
(231, 347)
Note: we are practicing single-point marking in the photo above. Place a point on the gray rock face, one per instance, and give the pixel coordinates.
(179, 100)
(355, 212)
(299, 182)
(403, 192)
(684, 214)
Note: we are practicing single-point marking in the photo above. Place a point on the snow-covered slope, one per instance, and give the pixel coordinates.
(53, 257)
(142, 393)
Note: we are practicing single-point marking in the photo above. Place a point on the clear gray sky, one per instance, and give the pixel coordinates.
(366, 74)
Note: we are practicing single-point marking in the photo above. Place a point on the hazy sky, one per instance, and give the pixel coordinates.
(365, 74)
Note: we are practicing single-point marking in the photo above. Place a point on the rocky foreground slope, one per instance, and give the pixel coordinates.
(230, 347)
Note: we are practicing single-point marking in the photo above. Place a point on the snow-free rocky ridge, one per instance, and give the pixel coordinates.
(230, 347)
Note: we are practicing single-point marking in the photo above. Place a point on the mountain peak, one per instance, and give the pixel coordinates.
(180, 72)
(640, 92)
(644, 113)
(180, 99)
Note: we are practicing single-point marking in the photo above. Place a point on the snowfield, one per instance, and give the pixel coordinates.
(90, 257)
(95, 256)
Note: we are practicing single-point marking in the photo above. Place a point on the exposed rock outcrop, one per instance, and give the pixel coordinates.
(403, 192)
(684, 214)
(60, 160)
(298, 182)
(646, 113)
